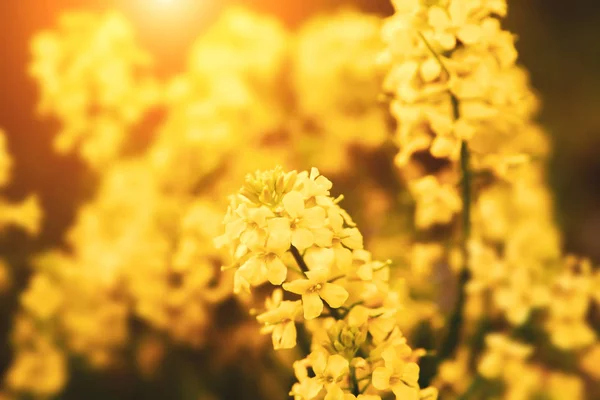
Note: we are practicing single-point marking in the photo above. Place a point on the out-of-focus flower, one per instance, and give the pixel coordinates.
(95, 80)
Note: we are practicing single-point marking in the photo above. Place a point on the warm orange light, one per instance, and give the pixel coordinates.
(165, 2)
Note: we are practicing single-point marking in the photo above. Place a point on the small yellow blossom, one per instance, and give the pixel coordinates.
(314, 290)
(398, 374)
(502, 354)
(43, 298)
(279, 320)
(436, 203)
(330, 372)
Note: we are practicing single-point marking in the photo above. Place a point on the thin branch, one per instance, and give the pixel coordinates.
(455, 322)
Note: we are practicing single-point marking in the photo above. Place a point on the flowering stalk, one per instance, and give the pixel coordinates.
(455, 321)
(465, 108)
(358, 350)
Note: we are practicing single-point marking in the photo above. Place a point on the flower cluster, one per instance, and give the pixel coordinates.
(279, 219)
(453, 78)
(454, 192)
(473, 159)
(141, 251)
(95, 80)
(345, 113)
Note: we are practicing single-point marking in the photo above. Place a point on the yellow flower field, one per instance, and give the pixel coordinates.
(340, 204)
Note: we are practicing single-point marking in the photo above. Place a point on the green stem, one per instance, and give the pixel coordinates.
(303, 340)
(455, 322)
(434, 54)
(354, 382)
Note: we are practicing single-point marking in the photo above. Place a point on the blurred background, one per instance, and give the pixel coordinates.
(557, 43)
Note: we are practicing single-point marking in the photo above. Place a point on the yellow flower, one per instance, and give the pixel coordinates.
(95, 80)
(248, 225)
(40, 370)
(437, 203)
(263, 266)
(345, 239)
(330, 370)
(314, 186)
(307, 225)
(43, 298)
(398, 375)
(565, 386)
(380, 321)
(315, 288)
(520, 295)
(279, 320)
(501, 353)
(454, 23)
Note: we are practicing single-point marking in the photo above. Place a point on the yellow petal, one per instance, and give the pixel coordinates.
(405, 392)
(323, 237)
(469, 34)
(302, 238)
(313, 306)
(438, 18)
(280, 235)
(318, 275)
(298, 286)
(337, 366)
(406, 71)
(260, 215)
(430, 70)
(235, 228)
(314, 217)
(410, 375)
(284, 336)
(447, 41)
(463, 130)
(254, 239)
(334, 392)
(459, 10)
(381, 327)
(293, 202)
(325, 183)
(381, 378)
(318, 361)
(276, 270)
(444, 147)
(365, 272)
(343, 257)
(358, 316)
(240, 283)
(334, 295)
(352, 238)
